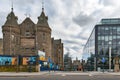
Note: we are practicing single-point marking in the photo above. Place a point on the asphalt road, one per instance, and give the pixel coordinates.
(63, 77)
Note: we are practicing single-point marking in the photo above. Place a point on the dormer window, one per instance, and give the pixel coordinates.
(27, 33)
(41, 18)
(9, 18)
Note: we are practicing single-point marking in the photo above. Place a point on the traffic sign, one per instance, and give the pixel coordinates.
(103, 60)
(49, 60)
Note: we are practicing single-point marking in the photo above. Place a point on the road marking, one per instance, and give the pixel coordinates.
(63, 75)
(90, 75)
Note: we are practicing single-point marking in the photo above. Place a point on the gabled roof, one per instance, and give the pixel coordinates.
(27, 20)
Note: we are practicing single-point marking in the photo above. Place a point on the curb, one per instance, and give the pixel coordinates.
(12, 76)
(21, 74)
(56, 73)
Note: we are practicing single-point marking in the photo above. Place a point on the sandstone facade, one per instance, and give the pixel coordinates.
(27, 38)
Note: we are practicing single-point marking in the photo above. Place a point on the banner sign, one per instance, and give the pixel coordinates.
(8, 60)
(42, 58)
(103, 60)
(41, 53)
(29, 60)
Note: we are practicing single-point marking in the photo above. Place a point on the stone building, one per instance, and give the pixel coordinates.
(1, 46)
(27, 38)
(76, 62)
(57, 52)
(77, 65)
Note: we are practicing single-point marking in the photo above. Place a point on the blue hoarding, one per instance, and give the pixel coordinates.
(6, 60)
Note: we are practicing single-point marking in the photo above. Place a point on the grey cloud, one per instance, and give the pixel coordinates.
(2, 21)
(76, 48)
(106, 2)
(3, 16)
(23, 3)
(28, 5)
(50, 8)
(80, 37)
(83, 19)
(72, 42)
(68, 3)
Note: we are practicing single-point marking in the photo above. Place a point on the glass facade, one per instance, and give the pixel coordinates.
(89, 53)
(89, 48)
(103, 36)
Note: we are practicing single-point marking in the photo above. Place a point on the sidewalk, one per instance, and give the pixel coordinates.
(105, 73)
(21, 74)
(89, 73)
(27, 74)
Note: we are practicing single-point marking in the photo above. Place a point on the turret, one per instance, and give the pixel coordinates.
(43, 35)
(11, 34)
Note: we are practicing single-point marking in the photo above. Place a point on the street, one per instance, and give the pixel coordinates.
(64, 77)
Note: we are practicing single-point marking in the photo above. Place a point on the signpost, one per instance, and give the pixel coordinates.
(109, 58)
(49, 61)
(103, 61)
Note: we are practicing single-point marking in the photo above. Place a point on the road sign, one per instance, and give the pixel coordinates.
(49, 60)
(103, 60)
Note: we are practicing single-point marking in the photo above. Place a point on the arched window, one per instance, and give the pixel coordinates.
(43, 50)
(43, 36)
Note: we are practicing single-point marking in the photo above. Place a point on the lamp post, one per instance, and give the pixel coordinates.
(103, 58)
(49, 60)
(36, 49)
(17, 62)
(59, 58)
(10, 40)
(109, 56)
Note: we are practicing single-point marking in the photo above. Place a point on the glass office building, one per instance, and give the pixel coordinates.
(103, 42)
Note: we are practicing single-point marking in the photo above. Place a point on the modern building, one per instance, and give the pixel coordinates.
(103, 44)
(67, 62)
(27, 38)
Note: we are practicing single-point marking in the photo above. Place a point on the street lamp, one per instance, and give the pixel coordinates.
(49, 63)
(59, 61)
(10, 40)
(109, 55)
(36, 48)
(103, 58)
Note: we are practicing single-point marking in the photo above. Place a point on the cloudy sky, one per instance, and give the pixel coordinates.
(70, 20)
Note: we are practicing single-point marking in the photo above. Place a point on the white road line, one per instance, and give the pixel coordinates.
(63, 75)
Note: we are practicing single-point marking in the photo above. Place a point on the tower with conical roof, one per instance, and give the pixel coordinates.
(11, 33)
(43, 33)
